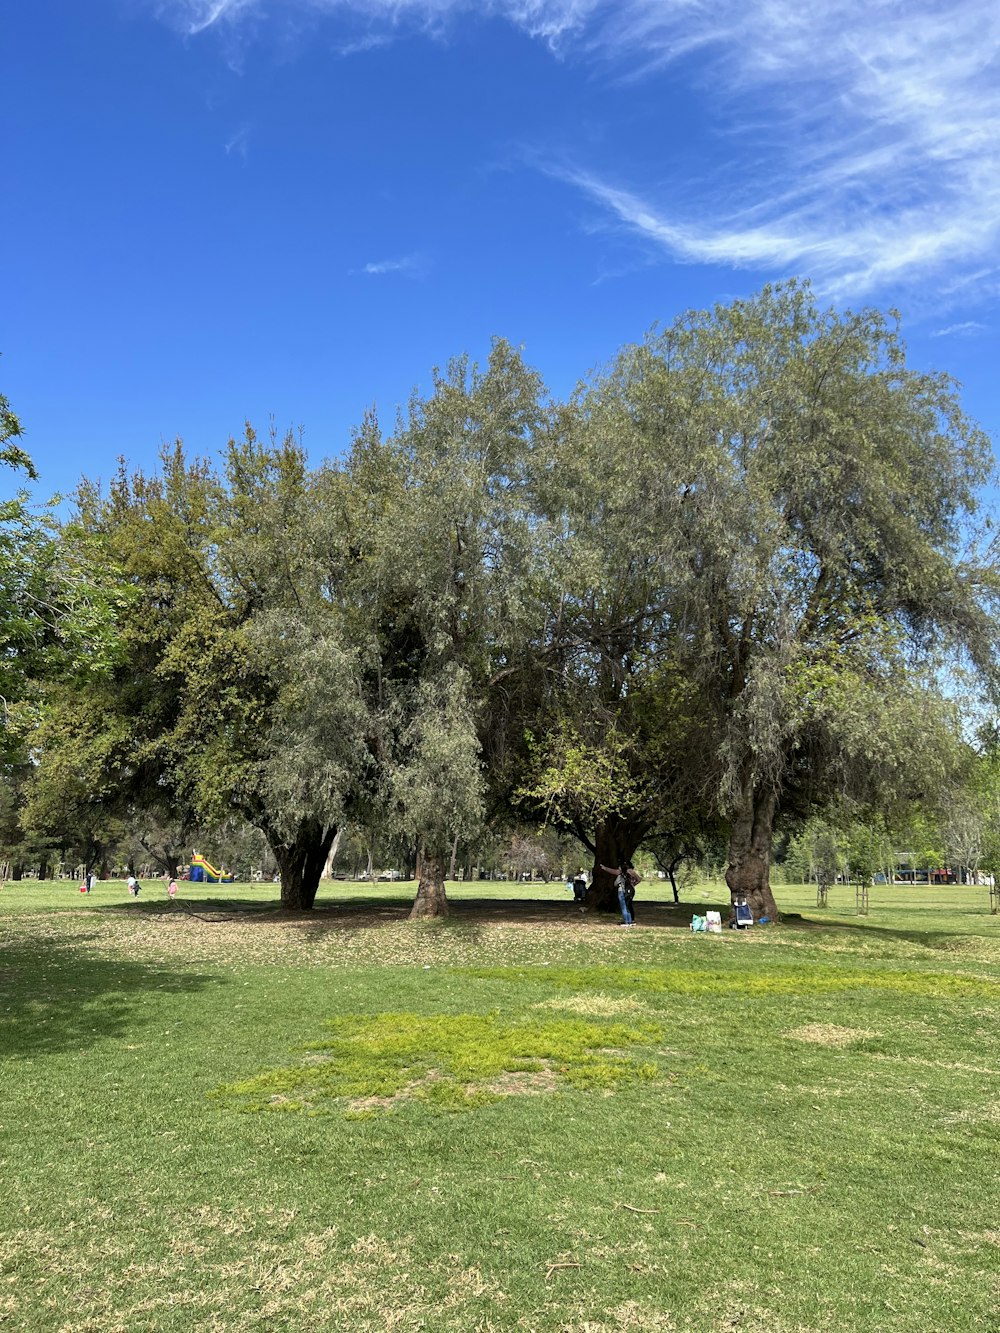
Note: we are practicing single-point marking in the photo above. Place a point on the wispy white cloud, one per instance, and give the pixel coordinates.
(863, 135)
(238, 143)
(197, 15)
(847, 250)
(549, 20)
(967, 329)
(870, 134)
(410, 266)
(369, 41)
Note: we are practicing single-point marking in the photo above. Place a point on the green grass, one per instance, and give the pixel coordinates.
(790, 1129)
(458, 1061)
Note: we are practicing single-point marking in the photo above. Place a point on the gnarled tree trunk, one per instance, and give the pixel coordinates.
(615, 841)
(301, 861)
(431, 899)
(748, 873)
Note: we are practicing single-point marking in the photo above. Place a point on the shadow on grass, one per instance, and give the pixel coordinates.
(357, 912)
(941, 939)
(393, 907)
(388, 908)
(55, 996)
(464, 912)
(226, 909)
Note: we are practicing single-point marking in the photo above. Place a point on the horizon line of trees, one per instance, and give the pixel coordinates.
(957, 837)
(737, 581)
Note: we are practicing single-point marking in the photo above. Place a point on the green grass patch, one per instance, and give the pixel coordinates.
(795, 979)
(817, 1150)
(372, 1063)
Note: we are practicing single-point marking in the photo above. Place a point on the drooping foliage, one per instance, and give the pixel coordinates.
(711, 595)
(781, 523)
(439, 590)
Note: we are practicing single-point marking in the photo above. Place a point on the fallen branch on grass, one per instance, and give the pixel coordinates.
(568, 1263)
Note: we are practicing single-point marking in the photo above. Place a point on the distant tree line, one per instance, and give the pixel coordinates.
(728, 587)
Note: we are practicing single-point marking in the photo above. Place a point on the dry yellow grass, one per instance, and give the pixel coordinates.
(828, 1034)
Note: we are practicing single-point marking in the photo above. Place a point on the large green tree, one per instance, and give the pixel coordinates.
(438, 591)
(818, 511)
(766, 501)
(271, 720)
(234, 691)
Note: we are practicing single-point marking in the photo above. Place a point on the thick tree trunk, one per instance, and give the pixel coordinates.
(431, 899)
(301, 861)
(291, 860)
(748, 873)
(615, 842)
(315, 860)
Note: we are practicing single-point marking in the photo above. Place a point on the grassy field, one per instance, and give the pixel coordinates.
(515, 1119)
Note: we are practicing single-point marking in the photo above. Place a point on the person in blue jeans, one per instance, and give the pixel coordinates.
(626, 878)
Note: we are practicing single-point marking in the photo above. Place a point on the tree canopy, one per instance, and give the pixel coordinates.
(716, 592)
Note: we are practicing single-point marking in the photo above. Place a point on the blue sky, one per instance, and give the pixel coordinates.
(291, 209)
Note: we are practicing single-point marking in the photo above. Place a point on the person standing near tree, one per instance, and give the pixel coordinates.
(579, 888)
(626, 878)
